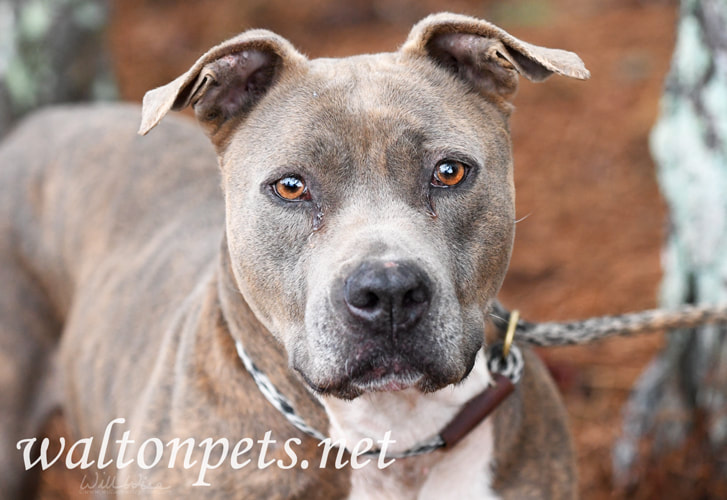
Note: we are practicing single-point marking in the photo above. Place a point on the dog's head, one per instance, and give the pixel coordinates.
(369, 200)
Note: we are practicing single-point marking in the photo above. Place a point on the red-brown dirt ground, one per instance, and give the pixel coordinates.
(590, 244)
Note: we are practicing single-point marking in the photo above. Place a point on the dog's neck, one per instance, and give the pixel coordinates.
(411, 417)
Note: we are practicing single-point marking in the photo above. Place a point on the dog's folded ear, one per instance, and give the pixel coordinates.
(487, 57)
(225, 83)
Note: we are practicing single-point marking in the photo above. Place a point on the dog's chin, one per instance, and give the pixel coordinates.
(387, 383)
(391, 377)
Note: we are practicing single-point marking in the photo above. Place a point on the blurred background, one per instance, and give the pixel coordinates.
(595, 225)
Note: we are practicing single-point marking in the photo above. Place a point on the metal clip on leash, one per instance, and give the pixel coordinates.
(504, 357)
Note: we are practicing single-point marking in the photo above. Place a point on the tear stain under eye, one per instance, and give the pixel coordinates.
(318, 217)
(430, 205)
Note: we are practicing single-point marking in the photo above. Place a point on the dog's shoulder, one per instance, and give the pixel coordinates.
(534, 451)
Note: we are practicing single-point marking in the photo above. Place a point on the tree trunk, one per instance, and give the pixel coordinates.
(51, 51)
(680, 403)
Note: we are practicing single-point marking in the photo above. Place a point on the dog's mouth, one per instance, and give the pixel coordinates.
(377, 380)
(396, 375)
(381, 373)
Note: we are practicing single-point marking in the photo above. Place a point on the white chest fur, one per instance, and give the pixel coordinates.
(464, 472)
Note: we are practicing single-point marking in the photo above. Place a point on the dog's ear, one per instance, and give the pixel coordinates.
(225, 83)
(487, 57)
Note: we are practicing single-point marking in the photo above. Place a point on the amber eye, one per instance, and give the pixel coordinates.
(291, 188)
(448, 174)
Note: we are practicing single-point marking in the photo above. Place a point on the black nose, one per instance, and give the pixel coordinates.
(387, 296)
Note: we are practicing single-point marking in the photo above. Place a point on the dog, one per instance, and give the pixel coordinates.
(362, 231)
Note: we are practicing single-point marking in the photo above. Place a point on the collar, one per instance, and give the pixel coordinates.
(504, 360)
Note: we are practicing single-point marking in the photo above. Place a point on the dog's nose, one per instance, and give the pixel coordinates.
(387, 296)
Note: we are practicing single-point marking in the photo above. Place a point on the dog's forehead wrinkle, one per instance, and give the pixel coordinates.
(367, 83)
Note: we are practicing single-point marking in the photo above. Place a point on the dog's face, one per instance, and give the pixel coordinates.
(369, 221)
(369, 200)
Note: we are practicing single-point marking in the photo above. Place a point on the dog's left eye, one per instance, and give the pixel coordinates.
(291, 188)
(448, 173)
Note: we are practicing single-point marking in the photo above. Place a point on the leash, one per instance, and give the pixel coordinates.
(581, 332)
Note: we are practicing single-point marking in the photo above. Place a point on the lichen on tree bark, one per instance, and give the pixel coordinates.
(685, 387)
(51, 51)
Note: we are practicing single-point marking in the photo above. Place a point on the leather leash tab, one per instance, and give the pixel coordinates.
(477, 409)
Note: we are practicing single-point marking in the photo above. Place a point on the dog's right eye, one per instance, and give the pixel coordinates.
(291, 188)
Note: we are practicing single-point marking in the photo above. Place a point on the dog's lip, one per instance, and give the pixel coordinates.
(350, 387)
(392, 375)
(385, 375)
(375, 368)
(389, 382)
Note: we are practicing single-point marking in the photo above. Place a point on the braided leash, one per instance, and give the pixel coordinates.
(581, 332)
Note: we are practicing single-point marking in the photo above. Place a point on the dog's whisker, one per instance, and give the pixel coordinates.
(517, 221)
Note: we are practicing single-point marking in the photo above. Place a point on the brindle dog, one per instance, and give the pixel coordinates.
(363, 227)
